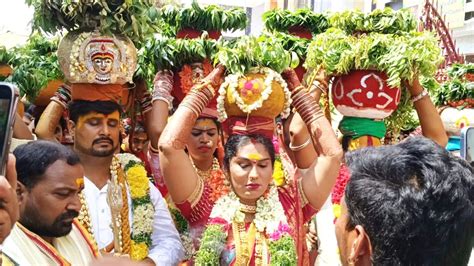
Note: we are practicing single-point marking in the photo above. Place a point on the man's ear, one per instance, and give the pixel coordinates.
(21, 191)
(361, 250)
(71, 127)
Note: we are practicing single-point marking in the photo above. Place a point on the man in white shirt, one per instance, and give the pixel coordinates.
(95, 127)
(50, 177)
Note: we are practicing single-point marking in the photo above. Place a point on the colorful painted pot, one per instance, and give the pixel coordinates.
(365, 93)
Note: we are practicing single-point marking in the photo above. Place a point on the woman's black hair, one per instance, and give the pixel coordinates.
(236, 141)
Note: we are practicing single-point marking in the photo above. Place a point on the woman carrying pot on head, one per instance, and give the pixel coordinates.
(242, 223)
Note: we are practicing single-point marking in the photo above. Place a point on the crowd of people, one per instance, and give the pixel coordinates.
(409, 203)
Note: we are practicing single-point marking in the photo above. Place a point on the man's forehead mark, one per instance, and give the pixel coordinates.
(80, 182)
(91, 115)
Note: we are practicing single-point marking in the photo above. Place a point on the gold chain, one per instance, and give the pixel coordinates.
(205, 174)
(84, 217)
(247, 208)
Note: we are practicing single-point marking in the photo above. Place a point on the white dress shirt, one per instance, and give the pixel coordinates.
(166, 248)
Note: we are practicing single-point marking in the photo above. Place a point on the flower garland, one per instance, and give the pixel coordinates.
(182, 226)
(251, 89)
(270, 224)
(142, 207)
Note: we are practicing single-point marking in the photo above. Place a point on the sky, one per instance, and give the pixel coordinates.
(15, 16)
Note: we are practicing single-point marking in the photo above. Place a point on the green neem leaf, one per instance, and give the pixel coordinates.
(249, 51)
(380, 20)
(137, 19)
(281, 20)
(35, 64)
(207, 18)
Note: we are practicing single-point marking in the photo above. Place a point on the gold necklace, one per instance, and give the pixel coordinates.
(247, 208)
(205, 174)
(84, 217)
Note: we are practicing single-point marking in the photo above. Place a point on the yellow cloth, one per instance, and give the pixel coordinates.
(72, 249)
(362, 142)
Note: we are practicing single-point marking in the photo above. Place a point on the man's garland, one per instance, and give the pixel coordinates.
(142, 207)
(269, 230)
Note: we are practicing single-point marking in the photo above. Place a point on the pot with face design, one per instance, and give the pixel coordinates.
(91, 57)
(365, 94)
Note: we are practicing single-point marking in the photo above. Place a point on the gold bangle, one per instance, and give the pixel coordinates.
(153, 150)
(300, 147)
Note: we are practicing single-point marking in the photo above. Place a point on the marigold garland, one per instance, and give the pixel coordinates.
(278, 172)
(142, 208)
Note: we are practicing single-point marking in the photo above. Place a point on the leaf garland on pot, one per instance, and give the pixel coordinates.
(283, 20)
(370, 43)
(209, 18)
(163, 53)
(136, 19)
(36, 64)
(5, 61)
(385, 21)
(458, 91)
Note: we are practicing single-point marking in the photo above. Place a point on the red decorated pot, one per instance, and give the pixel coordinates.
(301, 32)
(189, 75)
(190, 33)
(300, 70)
(365, 93)
(304, 33)
(470, 77)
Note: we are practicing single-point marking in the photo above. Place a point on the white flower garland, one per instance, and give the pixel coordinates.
(269, 215)
(230, 84)
(143, 211)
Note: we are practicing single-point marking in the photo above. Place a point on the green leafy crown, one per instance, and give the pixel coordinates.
(133, 18)
(380, 20)
(248, 51)
(35, 64)
(281, 20)
(207, 18)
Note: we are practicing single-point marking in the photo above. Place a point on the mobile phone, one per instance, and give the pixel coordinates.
(467, 143)
(8, 102)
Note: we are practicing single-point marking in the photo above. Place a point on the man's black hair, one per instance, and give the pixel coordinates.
(415, 201)
(34, 158)
(81, 108)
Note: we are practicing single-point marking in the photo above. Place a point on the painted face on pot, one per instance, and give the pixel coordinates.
(102, 64)
(198, 72)
(251, 172)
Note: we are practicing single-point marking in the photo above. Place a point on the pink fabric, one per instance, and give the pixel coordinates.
(154, 161)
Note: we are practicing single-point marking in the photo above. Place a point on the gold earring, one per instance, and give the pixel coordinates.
(226, 182)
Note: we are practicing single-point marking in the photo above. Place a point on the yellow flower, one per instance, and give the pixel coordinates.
(336, 209)
(138, 251)
(138, 181)
(278, 173)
